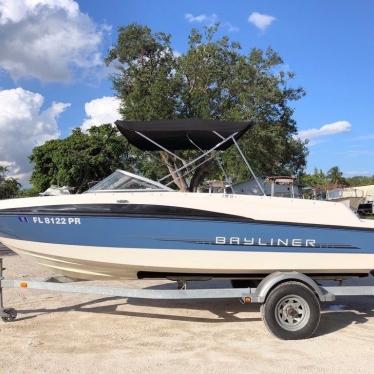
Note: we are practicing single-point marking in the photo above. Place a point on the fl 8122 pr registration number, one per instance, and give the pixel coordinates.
(57, 220)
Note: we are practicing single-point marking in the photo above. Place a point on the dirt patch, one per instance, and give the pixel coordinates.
(71, 333)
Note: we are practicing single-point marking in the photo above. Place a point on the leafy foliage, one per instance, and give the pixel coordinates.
(80, 159)
(360, 181)
(334, 178)
(28, 192)
(9, 187)
(145, 75)
(212, 80)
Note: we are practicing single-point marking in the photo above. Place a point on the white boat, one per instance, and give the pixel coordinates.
(352, 197)
(129, 227)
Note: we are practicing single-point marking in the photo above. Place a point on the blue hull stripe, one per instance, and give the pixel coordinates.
(184, 234)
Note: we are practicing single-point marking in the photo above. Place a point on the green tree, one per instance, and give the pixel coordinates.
(360, 181)
(214, 79)
(317, 179)
(335, 176)
(9, 187)
(3, 172)
(146, 80)
(80, 159)
(28, 192)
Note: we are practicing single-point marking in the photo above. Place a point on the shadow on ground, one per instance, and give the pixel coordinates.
(4, 251)
(345, 311)
(225, 311)
(335, 316)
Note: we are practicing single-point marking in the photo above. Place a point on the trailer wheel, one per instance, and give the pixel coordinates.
(11, 315)
(291, 311)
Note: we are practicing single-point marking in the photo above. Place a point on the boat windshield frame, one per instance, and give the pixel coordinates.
(158, 187)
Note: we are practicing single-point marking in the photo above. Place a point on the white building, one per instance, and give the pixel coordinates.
(273, 186)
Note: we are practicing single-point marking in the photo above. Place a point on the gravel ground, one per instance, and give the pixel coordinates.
(67, 333)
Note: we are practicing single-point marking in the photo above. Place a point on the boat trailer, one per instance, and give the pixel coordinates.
(290, 301)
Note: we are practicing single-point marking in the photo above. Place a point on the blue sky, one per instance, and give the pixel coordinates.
(328, 44)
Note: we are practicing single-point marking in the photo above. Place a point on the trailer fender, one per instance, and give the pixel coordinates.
(274, 279)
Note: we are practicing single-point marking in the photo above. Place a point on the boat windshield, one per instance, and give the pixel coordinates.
(121, 181)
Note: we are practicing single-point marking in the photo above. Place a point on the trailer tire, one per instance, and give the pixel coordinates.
(291, 311)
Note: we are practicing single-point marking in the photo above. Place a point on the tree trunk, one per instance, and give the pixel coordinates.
(178, 179)
(198, 176)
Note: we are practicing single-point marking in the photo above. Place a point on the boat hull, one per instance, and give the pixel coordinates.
(124, 247)
(85, 262)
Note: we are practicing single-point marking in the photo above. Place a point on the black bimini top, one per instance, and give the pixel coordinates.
(181, 134)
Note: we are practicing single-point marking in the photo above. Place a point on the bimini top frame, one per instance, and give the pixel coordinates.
(206, 136)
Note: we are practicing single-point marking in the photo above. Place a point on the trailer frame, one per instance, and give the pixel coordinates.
(268, 287)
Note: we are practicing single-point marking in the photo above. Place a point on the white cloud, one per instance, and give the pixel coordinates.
(209, 19)
(325, 130)
(202, 18)
(47, 39)
(231, 27)
(100, 111)
(261, 21)
(23, 125)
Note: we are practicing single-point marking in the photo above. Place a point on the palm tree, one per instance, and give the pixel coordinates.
(3, 171)
(9, 187)
(335, 176)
